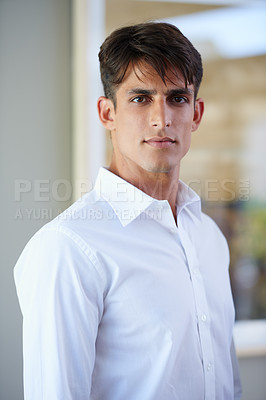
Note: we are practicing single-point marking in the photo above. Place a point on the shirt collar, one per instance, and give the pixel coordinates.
(128, 202)
(186, 197)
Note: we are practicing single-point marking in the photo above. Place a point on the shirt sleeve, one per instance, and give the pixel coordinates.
(237, 382)
(60, 289)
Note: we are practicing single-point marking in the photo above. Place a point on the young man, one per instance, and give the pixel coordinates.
(126, 295)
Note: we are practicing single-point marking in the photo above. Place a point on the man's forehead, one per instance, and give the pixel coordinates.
(143, 74)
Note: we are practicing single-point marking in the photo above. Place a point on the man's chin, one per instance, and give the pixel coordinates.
(158, 169)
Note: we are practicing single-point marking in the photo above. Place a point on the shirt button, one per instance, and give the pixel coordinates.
(173, 230)
(204, 317)
(209, 367)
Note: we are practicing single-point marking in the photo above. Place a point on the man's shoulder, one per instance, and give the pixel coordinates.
(83, 213)
(68, 237)
(211, 233)
(209, 223)
(73, 226)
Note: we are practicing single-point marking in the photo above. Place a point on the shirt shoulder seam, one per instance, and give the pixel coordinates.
(79, 242)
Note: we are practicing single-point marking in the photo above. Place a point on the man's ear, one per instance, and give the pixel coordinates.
(198, 113)
(106, 112)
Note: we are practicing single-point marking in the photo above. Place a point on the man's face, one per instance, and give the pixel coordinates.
(152, 123)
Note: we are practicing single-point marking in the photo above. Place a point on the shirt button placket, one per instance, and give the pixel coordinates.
(203, 315)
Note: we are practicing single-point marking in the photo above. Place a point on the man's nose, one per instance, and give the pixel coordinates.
(160, 115)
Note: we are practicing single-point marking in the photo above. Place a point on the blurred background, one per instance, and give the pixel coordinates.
(52, 143)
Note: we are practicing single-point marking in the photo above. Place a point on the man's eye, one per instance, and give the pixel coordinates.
(139, 99)
(179, 99)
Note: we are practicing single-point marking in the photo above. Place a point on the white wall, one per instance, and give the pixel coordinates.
(35, 145)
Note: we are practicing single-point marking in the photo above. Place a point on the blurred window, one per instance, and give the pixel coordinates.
(227, 163)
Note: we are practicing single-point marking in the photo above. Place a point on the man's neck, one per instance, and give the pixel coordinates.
(162, 189)
(160, 186)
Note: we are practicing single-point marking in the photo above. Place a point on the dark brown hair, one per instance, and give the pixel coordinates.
(159, 44)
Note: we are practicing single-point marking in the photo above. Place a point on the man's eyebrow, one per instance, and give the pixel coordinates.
(144, 92)
(178, 92)
(170, 92)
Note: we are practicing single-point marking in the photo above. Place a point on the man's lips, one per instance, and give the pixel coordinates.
(160, 142)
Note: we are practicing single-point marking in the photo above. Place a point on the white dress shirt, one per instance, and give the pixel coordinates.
(121, 303)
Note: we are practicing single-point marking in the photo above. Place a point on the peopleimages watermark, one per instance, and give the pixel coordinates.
(43, 189)
(222, 190)
(61, 190)
(43, 213)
